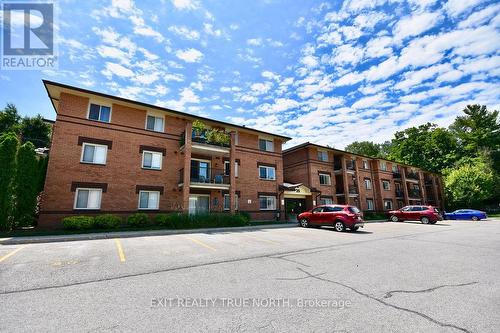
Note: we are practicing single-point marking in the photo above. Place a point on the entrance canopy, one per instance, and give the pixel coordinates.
(296, 191)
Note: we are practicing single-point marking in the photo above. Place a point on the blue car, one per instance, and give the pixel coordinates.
(466, 214)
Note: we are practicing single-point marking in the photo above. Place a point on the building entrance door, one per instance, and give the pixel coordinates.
(293, 207)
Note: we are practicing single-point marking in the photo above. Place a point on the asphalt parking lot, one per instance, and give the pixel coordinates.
(388, 277)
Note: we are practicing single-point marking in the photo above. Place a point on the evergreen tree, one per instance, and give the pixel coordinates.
(25, 186)
(8, 149)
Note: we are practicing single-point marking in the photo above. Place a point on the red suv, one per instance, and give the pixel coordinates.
(424, 214)
(339, 216)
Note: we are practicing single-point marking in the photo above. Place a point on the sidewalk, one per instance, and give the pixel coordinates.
(127, 234)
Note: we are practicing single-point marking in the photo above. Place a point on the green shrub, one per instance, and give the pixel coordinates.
(213, 220)
(138, 220)
(108, 221)
(375, 216)
(78, 222)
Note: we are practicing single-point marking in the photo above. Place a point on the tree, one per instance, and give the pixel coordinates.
(25, 186)
(36, 130)
(8, 149)
(367, 148)
(470, 184)
(9, 119)
(427, 146)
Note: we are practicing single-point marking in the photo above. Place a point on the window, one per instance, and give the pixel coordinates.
(154, 123)
(149, 199)
(266, 172)
(325, 179)
(87, 198)
(383, 166)
(400, 203)
(100, 113)
(227, 171)
(266, 145)
(267, 202)
(151, 160)
(369, 204)
(386, 185)
(365, 164)
(325, 201)
(388, 204)
(92, 153)
(318, 210)
(323, 155)
(368, 183)
(395, 168)
(227, 202)
(354, 210)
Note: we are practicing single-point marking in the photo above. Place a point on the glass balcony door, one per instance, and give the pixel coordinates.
(199, 204)
(200, 171)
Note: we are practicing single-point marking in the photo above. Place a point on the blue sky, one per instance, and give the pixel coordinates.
(326, 72)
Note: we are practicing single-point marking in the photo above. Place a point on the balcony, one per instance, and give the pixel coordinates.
(396, 175)
(412, 176)
(428, 181)
(353, 190)
(413, 193)
(212, 141)
(208, 178)
(399, 194)
(351, 166)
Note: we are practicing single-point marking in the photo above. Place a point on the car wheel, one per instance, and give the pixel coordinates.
(475, 218)
(339, 226)
(304, 223)
(424, 220)
(394, 218)
(433, 222)
(354, 228)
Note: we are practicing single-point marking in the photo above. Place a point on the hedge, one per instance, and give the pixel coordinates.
(138, 220)
(186, 221)
(107, 221)
(78, 222)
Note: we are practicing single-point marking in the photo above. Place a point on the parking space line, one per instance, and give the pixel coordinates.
(200, 243)
(262, 239)
(121, 254)
(10, 254)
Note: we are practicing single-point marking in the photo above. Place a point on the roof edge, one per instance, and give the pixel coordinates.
(126, 100)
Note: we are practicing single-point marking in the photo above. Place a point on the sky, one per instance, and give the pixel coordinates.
(324, 72)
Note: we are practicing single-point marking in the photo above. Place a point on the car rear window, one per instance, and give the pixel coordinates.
(354, 210)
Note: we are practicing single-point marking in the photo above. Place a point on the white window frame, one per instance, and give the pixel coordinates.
(152, 152)
(78, 189)
(267, 141)
(386, 201)
(155, 115)
(267, 174)
(148, 208)
(388, 185)
(101, 104)
(366, 166)
(368, 184)
(383, 165)
(235, 168)
(368, 201)
(95, 145)
(236, 205)
(323, 153)
(267, 197)
(326, 198)
(329, 177)
(395, 168)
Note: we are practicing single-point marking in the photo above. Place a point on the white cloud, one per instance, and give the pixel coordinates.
(185, 32)
(347, 54)
(368, 101)
(415, 25)
(189, 55)
(309, 61)
(186, 4)
(457, 7)
(118, 70)
(279, 105)
(379, 47)
(480, 17)
(270, 75)
(261, 88)
(254, 41)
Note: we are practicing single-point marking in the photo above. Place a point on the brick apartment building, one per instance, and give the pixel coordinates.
(372, 184)
(114, 155)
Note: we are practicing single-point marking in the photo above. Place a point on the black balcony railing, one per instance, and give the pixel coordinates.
(412, 175)
(337, 164)
(428, 181)
(351, 165)
(208, 176)
(399, 194)
(215, 138)
(396, 175)
(413, 193)
(353, 189)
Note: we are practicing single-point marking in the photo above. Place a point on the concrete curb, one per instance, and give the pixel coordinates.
(129, 234)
